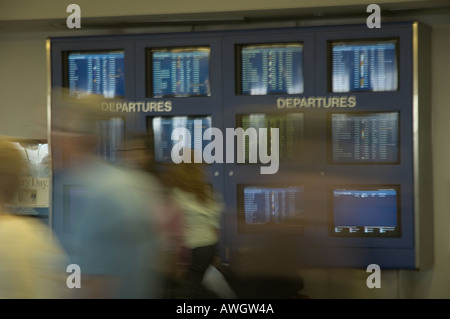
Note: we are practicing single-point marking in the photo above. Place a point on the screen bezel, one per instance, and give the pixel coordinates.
(364, 41)
(397, 233)
(149, 69)
(360, 162)
(65, 69)
(238, 65)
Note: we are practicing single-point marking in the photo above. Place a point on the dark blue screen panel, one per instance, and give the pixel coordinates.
(179, 72)
(263, 205)
(370, 66)
(364, 137)
(160, 128)
(100, 73)
(365, 211)
(271, 69)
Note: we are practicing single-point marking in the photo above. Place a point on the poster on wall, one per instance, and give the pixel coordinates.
(33, 196)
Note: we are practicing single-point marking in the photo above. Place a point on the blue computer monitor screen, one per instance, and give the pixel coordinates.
(99, 73)
(260, 206)
(364, 66)
(160, 129)
(265, 69)
(290, 133)
(178, 72)
(364, 138)
(365, 211)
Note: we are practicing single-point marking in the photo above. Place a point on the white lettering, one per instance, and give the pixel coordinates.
(216, 145)
(374, 280)
(274, 150)
(183, 136)
(373, 20)
(246, 308)
(316, 102)
(74, 279)
(74, 20)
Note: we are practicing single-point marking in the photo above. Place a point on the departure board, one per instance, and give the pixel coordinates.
(291, 133)
(365, 211)
(161, 128)
(180, 72)
(270, 204)
(370, 137)
(271, 69)
(370, 66)
(100, 73)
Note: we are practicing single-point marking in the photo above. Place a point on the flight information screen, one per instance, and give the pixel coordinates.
(111, 139)
(271, 69)
(161, 128)
(291, 133)
(100, 73)
(370, 137)
(180, 72)
(365, 212)
(271, 205)
(365, 66)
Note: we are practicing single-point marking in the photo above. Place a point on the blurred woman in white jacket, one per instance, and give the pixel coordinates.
(201, 215)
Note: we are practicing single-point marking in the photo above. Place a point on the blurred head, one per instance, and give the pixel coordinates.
(74, 125)
(138, 152)
(12, 168)
(190, 177)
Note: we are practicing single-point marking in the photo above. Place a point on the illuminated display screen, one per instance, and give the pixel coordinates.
(161, 128)
(179, 72)
(270, 69)
(365, 211)
(364, 66)
(100, 73)
(364, 137)
(291, 133)
(261, 205)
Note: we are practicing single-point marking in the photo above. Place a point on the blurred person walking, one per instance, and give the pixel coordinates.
(32, 263)
(201, 209)
(168, 218)
(116, 239)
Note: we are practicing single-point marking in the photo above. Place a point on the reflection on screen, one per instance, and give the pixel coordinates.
(161, 129)
(180, 72)
(364, 66)
(291, 131)
(365, 211)
(110, 139)
(266, 205)
(370, 137)
(271, 69)
(99, 73)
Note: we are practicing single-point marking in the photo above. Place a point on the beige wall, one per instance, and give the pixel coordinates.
(23, 113)
(23, 87)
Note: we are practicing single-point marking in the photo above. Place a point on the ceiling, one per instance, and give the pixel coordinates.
(434, 13)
